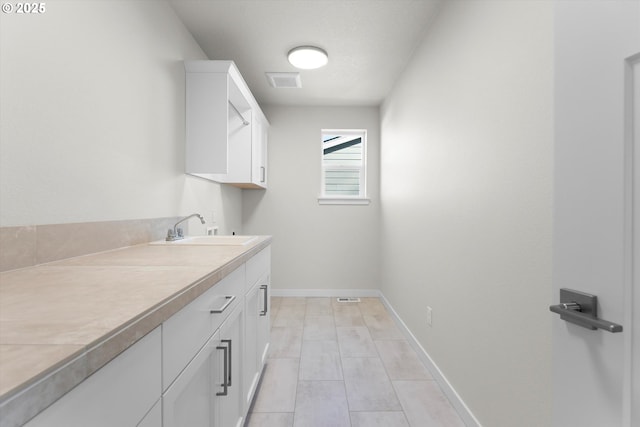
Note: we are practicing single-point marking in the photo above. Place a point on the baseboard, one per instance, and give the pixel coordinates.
(461, 408)
(362, 293)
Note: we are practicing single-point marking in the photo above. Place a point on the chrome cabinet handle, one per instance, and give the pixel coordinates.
(263, 173)
(229, 299)
(266, 299)
(227, 374)
(581, 309)
(224, 384)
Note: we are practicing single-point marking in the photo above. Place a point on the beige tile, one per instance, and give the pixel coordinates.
(289, 301)
(381, 316)
(275, 302)
(319, 307)
(337, 305)
(355, 341)
(290, 315)
(382, 327)
(17, 247)
(39, 394)
(401, 361)
(348, 315)
(372, 306)
(378, 419)
(277, 391)
(264, 419)
(78, 303)
(345, 306)
(424, 404)
(320, 361)
(273, 313)
(33, 361)
(368, 387)
(321, 404)
(60, 241)
(319, 328)
(285, 342)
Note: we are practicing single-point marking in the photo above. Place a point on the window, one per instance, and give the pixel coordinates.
(344, 177)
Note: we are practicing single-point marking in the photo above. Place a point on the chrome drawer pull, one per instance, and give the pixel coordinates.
(226, 362)
(228, 377)
(266, 299)
(229, 299)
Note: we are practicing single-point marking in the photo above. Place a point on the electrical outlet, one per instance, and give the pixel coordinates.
(429, 316)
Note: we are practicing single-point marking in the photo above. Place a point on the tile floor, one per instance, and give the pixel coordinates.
(344, 364)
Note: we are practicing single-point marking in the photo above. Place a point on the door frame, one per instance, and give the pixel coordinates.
(632, 239)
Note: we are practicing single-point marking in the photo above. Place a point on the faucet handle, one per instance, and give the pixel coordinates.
(170, 235)
(180, 232)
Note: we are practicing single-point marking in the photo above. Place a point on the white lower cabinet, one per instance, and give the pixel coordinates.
(229, 403)
(153, 417)
(200, 368)
(208, 392)
(119, 394)
(216, 386)
(264, 321)
(190, 400)
(251, 369)
(257, 326)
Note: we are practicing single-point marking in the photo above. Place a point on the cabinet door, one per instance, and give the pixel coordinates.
(153, 417)
(119, 394)
(186, 331)
(206, 123)
(264, 321)
(250, 368)
(259, 152)
(231, 405)
(190, 399)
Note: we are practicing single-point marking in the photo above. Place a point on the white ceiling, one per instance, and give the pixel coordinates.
(369, 43)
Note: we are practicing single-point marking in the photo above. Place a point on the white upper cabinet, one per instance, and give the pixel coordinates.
(226, 131)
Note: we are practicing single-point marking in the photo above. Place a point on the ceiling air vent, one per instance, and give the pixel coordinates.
(284, 80)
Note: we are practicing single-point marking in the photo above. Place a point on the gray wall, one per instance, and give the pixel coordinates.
(466, 204)
(315, 246)
(92, 124)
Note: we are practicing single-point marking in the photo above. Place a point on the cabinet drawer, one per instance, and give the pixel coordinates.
(258, 266)
(119, 394)
(186, 331)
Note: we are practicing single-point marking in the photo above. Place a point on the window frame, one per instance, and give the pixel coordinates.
(360, 199)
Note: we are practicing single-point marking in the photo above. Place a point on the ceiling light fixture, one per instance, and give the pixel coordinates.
(308, 57)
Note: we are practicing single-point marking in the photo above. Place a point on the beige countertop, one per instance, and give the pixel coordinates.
(62, 321)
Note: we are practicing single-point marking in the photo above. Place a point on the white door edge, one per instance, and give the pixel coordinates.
(631, 393)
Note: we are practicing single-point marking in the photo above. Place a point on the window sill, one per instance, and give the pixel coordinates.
(343, 201)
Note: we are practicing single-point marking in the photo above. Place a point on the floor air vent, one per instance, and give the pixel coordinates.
(348, 299)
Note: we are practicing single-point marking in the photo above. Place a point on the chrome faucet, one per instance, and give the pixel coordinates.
(176, 233)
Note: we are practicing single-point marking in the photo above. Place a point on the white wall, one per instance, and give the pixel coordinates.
(466, 172)
(315, 247)
(92, 117)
